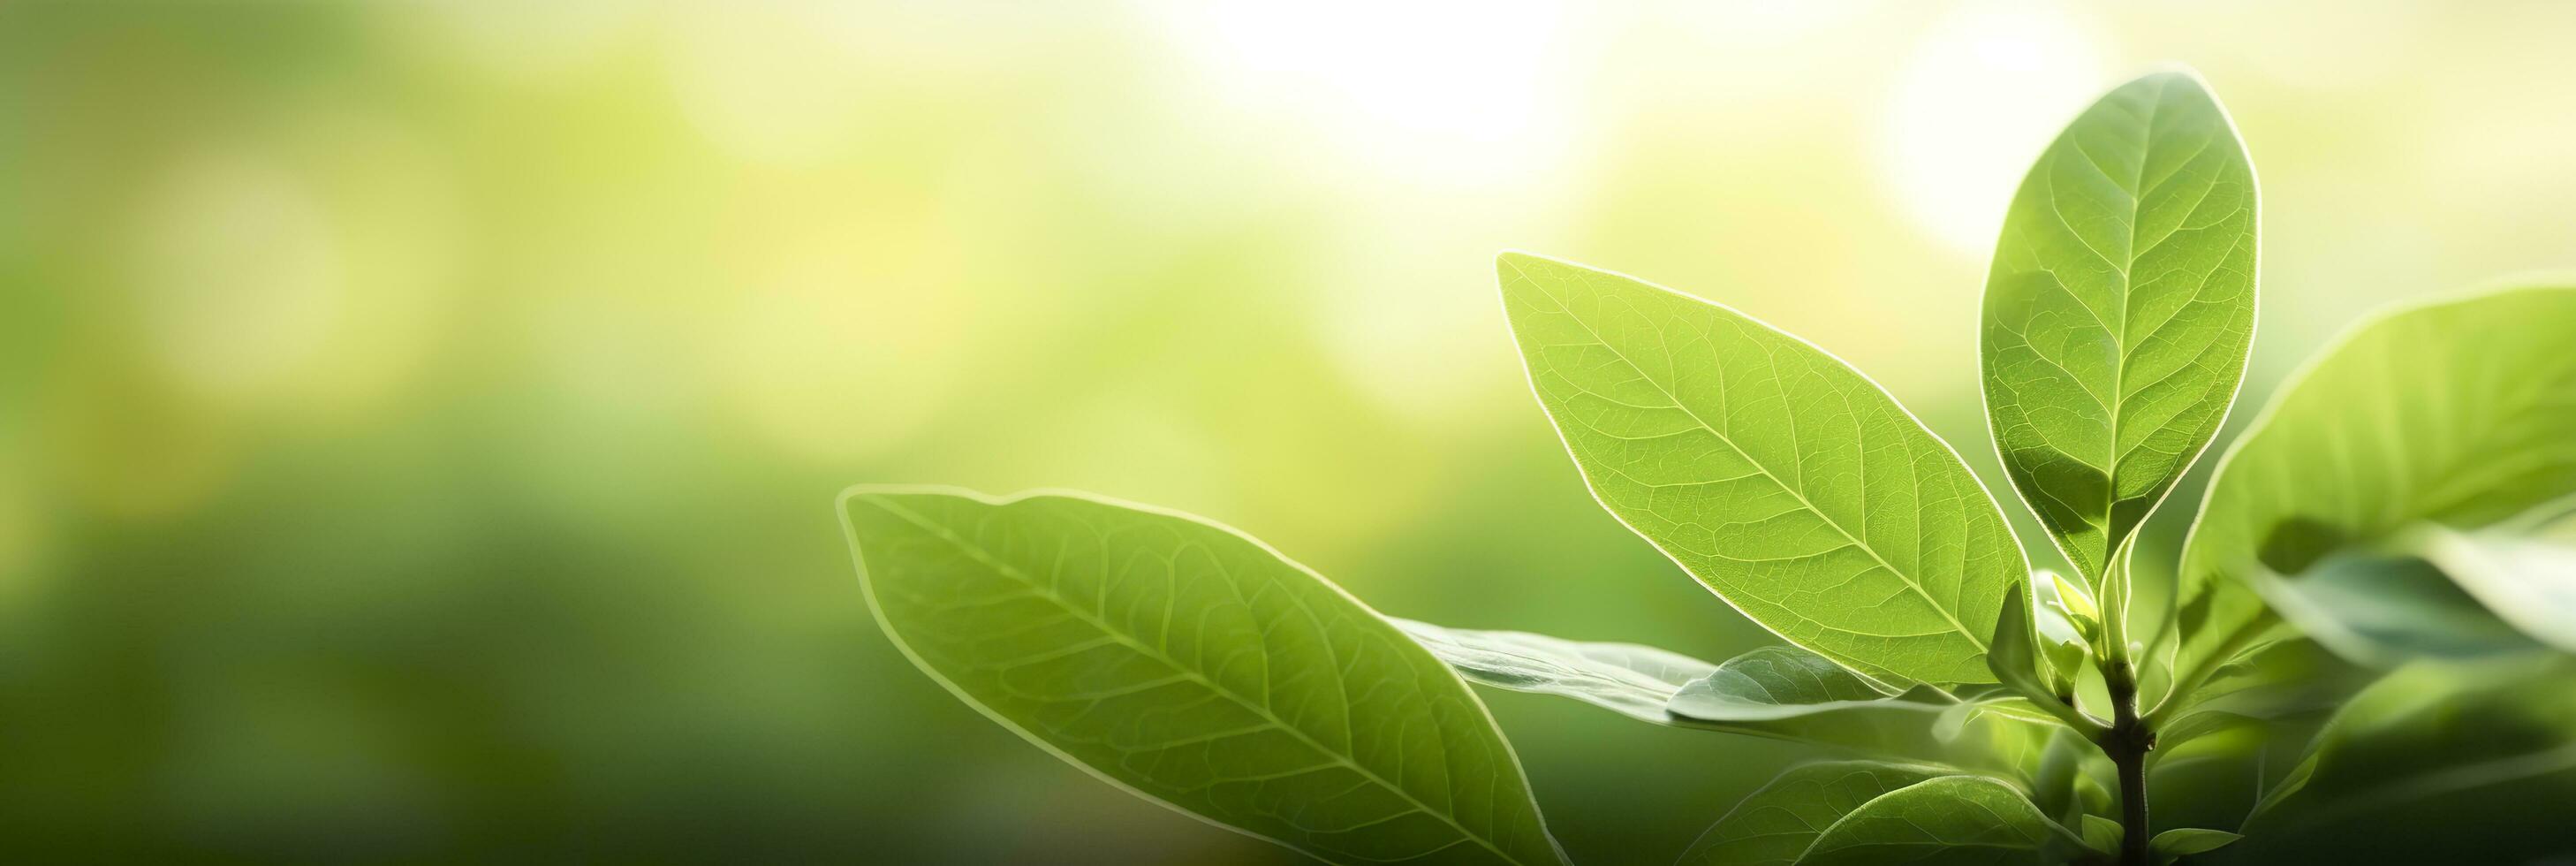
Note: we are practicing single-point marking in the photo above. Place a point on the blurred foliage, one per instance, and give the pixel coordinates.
(419, 423)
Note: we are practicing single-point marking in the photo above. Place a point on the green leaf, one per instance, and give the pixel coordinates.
(2069, 624)
(2284, 680)
(2460, 412)
(2524, 574)
(1771, 682)
(1781, 693)
(2437, 762)
(2067, 614)
(1945, 820)
(1775, 824)
(1191, 665)
(2386, 610)
(2193, 726)
(2180, 842)
(1774, 473)
(1791, 694)
(2436, 591)
(1636, 681)
(2052, 783)
(2100, 833)
(2120, 310)
(2015, 657)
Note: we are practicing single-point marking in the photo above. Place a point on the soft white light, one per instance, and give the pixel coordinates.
(238, 275)
(1433, 93)
(1982, 94)
(769, 82)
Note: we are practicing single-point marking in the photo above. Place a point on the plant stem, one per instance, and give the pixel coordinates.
(2127, 742)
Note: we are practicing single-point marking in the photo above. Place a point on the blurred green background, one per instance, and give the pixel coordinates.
(419, 423)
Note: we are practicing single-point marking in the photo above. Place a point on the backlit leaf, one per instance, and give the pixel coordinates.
(2460, 412)
(1774, 825)
(1777, 475)
(1195, 667)
(1636, 681)
(2120, 310)
(2386, 610)
(1944, 820)
(2525, 574)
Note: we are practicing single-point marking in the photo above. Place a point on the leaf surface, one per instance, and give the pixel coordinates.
(2181, 842)
(1633, 680)
(2460, 412)
(1198, 668)
(2386, 610)
(1781, 693)
(2525, 574)
(2436, 762)
(2015, 658)
(2120, 310)
(1781, 478)
(1791, 694)
(1944, 820)
(1774, 825)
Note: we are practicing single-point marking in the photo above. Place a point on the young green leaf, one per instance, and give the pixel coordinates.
(2120, 310)
(2460, 412)
(2015, 660)
(2069, 625)
(2063, 603)
(1777, 475)
(1774, 825)
(1635, 681)
(1198, 668)
(2181, 842)
(2439, 762)
(1949, 819)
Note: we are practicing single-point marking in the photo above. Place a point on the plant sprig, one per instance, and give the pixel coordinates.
(2427, 457)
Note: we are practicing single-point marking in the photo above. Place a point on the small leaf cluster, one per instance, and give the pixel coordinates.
(2366, 629)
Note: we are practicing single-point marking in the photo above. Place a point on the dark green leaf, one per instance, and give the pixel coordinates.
(2180, 842)
(2100, 833)
(1945, 820)
(2437, 762)
(1775, 824)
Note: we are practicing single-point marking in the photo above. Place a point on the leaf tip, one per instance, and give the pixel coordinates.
(2172, 71)
(1510, 264)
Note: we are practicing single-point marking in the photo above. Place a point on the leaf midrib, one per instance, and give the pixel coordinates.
(1801, 496)
(2128, 297)
(1263, 711)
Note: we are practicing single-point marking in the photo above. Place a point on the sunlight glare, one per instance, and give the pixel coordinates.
(1982, 93)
